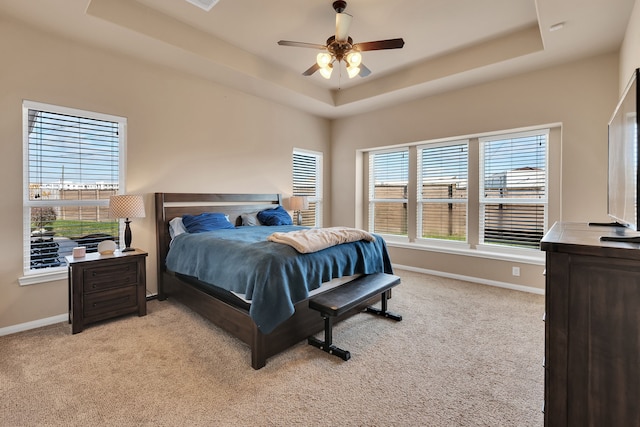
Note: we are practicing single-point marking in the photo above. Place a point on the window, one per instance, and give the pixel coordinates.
(388, 192)
(487, 194)
(442, 191)
(307, 181)
(72, 165)
(513, 189)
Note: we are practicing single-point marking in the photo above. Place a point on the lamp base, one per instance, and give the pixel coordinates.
(127, 237)
(299, 218)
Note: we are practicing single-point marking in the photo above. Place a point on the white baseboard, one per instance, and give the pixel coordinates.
(63, 317)
(34, 324)
(529, 289)
(45, 322)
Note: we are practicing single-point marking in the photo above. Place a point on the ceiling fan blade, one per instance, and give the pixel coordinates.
(379, 45)
(343, 21)
(364, 71)
(311, 70)
(301, 44)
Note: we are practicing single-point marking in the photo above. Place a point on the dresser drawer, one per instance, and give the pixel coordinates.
(112, 276)
(111, 302)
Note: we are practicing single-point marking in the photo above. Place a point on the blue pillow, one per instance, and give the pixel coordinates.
(277, 216)
(206, 222)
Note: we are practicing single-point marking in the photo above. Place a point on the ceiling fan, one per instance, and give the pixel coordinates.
(340, 47)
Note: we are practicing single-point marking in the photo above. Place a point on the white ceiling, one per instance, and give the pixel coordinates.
(448, 43)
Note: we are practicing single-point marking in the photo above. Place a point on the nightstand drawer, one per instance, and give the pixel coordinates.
(113, 276)
(110, 302)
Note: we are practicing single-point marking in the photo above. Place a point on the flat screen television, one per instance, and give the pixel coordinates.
(623, 185)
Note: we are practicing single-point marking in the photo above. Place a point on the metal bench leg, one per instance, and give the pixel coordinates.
(327, 344)
(382, 311)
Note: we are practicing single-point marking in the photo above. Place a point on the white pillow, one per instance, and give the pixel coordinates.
(176, 227)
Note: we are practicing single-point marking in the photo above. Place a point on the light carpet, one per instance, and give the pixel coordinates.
(464, 355)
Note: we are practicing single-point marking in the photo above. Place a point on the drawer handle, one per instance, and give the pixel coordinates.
(112, 302)
(95, 273)
(125, 280)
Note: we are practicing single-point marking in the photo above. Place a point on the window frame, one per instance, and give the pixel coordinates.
(316, 200)
(472, 247)
(372, 201)
(483, 200)
(48, 274)
(420, 200)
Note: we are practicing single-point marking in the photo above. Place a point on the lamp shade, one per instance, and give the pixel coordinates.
(353, 71)
(126, 206)
(326, 71)
(298, 203)
(354, 59)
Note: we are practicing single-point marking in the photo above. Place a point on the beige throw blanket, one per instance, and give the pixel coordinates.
(316, 239)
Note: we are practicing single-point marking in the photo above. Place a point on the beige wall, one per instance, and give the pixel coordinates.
(579, 95)
(184, 134)
(630, 50)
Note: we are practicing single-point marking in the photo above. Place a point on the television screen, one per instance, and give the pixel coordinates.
(623, 158)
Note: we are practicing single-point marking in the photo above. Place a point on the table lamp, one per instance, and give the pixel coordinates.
(126, 206)
(298, 204)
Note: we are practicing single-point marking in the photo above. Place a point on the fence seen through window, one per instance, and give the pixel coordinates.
(73, 161)
(512, 202)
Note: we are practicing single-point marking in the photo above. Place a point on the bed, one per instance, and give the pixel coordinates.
(223, 307)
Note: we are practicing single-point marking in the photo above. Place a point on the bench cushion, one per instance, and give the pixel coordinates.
(345, 297)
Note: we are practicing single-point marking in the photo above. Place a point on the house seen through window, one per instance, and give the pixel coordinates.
(73, 165)
(513, 197)
(442, 191)
(432, 205)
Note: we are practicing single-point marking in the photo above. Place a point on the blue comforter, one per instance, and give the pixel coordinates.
(273, 276)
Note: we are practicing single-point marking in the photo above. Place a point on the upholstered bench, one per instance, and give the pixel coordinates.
(335, 302)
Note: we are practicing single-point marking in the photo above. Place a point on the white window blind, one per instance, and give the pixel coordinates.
(442, 191)
(72, 167)
(513, 190)
(388, 181)
(307, 181)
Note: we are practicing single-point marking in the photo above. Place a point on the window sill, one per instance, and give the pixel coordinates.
(52, 275)
(501, 254)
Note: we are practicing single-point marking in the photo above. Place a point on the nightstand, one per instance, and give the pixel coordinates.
(106, 286)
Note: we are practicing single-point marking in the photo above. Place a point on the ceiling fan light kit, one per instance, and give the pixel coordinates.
(353, 60)
(324, 61)
(340, 46)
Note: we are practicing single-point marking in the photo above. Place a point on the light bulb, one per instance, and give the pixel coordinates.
(354, 58)
(323, 59)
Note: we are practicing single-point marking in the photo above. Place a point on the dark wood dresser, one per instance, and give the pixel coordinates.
(106, 286)
(592, 328)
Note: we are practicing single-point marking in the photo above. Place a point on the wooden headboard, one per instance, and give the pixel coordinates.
(171, 205)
